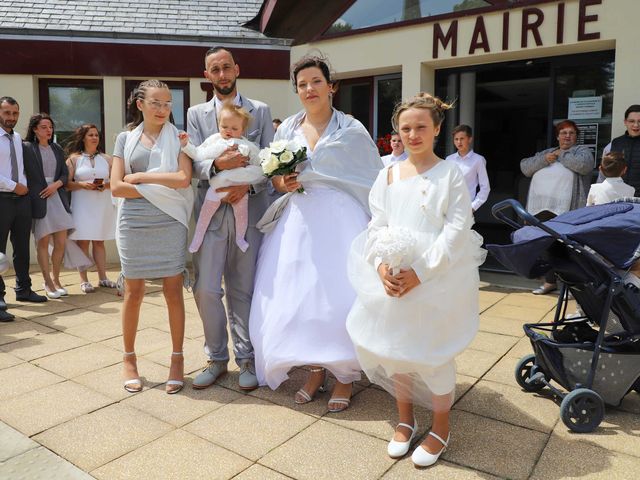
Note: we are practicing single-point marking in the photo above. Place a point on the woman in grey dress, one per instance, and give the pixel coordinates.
(151, 179)
(47, 174)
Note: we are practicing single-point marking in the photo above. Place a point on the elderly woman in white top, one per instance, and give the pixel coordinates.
(560, 179)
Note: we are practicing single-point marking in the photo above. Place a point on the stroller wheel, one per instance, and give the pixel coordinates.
(523, 373)
(582, 410)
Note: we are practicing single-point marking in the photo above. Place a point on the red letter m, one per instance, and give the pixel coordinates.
(440, 38)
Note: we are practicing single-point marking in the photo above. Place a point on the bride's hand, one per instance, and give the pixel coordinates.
(389, 282)
(286, 183)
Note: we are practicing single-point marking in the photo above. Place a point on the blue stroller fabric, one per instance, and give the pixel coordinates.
(612, 230)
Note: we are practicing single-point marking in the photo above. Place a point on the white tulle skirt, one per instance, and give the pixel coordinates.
(408, 345)
(302, 295)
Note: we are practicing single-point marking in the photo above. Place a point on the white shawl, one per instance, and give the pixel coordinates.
(344, 158)
(177, 203)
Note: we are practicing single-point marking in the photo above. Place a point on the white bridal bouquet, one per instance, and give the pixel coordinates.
(282, 158)
(394, 245)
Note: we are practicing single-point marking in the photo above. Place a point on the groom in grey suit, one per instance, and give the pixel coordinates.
(219, 255)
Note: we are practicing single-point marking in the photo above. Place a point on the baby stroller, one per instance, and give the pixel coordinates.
(593, 355)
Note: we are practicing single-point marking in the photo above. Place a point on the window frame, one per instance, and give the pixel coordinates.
(44, 101)
(497, 5)
(184, 85)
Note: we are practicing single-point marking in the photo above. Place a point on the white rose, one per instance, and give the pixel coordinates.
(270, 165)
(293, 146)
(279, 146)
(264, 155)
(286, 157)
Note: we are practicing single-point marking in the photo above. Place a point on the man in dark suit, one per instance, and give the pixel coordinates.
(15, 205)
(219, 255)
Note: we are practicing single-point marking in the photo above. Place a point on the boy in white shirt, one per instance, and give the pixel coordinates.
(613, 167)
(472, 165)
(397, 151)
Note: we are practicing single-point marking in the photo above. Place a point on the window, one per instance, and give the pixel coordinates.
(388, 92)
(72, 103)
(355, 98)
(179, 97)
(369, 13)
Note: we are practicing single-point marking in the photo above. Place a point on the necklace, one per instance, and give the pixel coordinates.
(91, 157)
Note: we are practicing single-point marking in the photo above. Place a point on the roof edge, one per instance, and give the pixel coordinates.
(122, 37)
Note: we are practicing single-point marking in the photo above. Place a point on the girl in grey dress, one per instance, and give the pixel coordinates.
(151, 179)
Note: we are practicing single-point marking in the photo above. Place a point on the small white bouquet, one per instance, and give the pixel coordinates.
(394, 245)
(282, 158)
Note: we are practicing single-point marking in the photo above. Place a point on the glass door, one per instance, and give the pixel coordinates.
(513, 115)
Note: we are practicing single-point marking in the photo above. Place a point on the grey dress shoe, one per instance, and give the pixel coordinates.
(248, 379)
(209, 375)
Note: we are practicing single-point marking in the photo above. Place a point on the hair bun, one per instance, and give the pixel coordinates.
(422, 100)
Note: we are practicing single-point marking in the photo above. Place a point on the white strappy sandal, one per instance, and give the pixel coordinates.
(397, 449)
(342, 401)
(422, 458)
(174, 386)
(133, 385)
(303, 397)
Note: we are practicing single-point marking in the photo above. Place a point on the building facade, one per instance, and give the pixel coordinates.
(514, 68)
(80, 60)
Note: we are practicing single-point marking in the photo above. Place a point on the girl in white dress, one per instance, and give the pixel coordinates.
(94, 214)
(408, 324)
(302, 294)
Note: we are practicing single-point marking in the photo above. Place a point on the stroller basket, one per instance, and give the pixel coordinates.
(570, 364)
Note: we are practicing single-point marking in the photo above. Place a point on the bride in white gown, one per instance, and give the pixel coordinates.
(302, 295)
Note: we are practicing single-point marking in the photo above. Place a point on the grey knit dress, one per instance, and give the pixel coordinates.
(151, 244)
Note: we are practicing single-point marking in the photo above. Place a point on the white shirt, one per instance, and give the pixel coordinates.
(6, 184)
(218, 102)
(389, 159)
(474, 170)
(612, 189)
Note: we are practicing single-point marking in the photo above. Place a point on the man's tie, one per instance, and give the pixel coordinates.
(14, 159)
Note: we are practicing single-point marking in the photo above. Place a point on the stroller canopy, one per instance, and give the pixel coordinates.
(612, 230)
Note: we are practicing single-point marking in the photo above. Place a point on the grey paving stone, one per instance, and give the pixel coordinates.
(13, 443)
(41, 464)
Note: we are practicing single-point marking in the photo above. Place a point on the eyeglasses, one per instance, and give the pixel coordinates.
(633, 122)
(568, 134)
(159, 105)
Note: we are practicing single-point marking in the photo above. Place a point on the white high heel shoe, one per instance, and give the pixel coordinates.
(132, 385)
(174, 386)
(51, 294)
(397, 449)
(422, 458)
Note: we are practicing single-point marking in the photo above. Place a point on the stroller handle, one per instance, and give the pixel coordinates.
(498, 212)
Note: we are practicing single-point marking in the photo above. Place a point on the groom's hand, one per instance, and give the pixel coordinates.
(234, 193)
(230, 158)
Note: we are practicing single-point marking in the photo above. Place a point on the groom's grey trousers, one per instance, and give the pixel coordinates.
(220, 256)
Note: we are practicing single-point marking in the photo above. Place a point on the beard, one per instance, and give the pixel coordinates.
(8, 124)
(225, 91)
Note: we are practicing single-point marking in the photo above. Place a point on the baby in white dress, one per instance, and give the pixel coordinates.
(232, 123)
